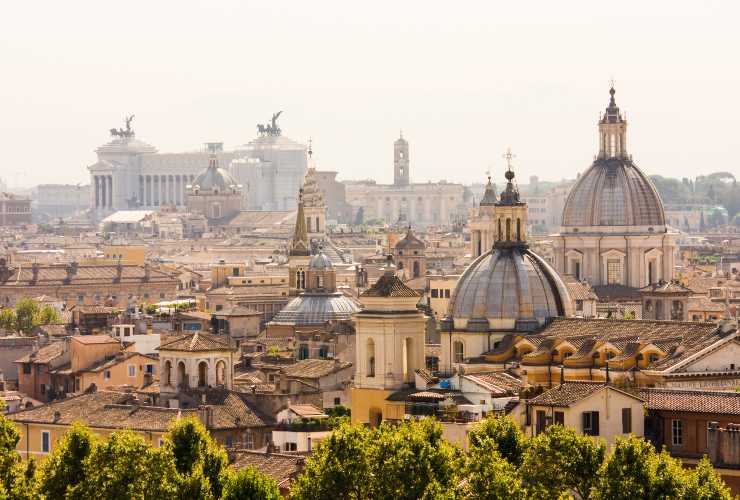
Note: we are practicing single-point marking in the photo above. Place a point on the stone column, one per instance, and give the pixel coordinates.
(110, 191)
(96, 195)
(103, 191)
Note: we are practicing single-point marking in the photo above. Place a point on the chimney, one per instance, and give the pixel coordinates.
(57, 416)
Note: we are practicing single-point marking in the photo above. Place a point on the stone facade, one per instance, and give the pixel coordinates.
(14, 210)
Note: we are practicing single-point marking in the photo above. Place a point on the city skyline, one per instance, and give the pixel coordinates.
(462, 87)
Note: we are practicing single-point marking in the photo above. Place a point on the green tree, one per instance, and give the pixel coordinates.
(63, 470)
(47, 315)
(249, 484)
(406, 461)
(412, 461)
(705, 484)
(559, 460)
(8, 320)
(634, 469)
(26, 311)
(124, 467)
(195, 452)
(9, 458)
(489, 476)
(338, 468)
(506, 436)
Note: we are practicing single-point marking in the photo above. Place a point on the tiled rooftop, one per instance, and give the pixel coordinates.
(195, 342)
(692, 400)
(314, 368)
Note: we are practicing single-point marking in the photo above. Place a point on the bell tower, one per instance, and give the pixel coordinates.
(401, 162)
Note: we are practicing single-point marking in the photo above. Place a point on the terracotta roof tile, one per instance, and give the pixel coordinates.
(389, 285)
(196, 342)
(282, 468)
(314, 368)
(692, 400)
(498, 383)
(568, 393)
(44, 354)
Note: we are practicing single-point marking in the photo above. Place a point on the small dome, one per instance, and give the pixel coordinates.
(317, 309)
(508, 289)
(214, 178)
(613, 192)
(320, 262)
(410, 241)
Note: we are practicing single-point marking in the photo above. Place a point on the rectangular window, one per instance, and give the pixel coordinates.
(579, 305)
(541, 421)
(447, 293)
(131, 370)
(149, 369)
(27, 368)
(106, 374)
(219, 307)
(591, 423)
(559, 418)
(626, 420)
(337, 401)
(677, 432)
(45, 442)
(435, 293)
(613, 271)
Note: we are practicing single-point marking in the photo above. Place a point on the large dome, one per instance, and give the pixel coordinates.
(317, 309)
(508, 289)
(613, 192)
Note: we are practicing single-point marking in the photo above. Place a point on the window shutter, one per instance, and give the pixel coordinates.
(626, 420)
(595, 423)
(560, 418)
(585, 422)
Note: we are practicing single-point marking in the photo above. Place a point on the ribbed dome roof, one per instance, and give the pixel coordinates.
(613, 192)
(214, 177)
(508, 288)
(316, 309)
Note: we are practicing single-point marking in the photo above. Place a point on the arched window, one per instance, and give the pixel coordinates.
(508, 229)
(500, 234)
(370, 358)
(202, 374)
(518, 229)
(417, 269)
(182, 377)
(221, 372)
(168, 372)
(308, 224)
(318, 226)
(216, 211)
(458, 351)
(651, 272)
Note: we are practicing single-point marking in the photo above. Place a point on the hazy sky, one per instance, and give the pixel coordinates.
(464, 80)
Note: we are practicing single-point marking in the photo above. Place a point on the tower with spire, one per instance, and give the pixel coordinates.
(482, 221)
(299, 253)
(314, 204)
(401, 161)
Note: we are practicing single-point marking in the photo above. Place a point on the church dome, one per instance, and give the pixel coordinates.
(317, 309)
(320, 262)
(508, 288)
(214, 178)
(613, 192)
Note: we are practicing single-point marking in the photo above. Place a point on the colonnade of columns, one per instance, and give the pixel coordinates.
(103, 191)
(156, 190)
(415, 208)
